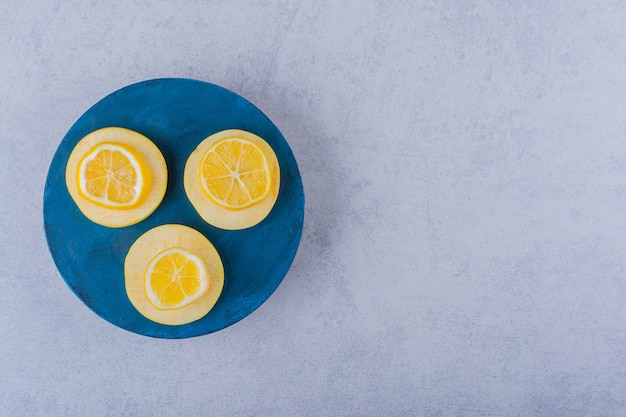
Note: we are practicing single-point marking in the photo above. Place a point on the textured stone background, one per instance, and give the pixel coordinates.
(464, 249)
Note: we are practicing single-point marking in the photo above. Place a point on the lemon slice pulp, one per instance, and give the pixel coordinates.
(175, 278)
(113, 176)
(235, 174)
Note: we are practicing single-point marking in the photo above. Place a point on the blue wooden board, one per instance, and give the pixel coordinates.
(176, 114)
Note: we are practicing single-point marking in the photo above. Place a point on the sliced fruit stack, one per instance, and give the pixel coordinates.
(173, 274)
(232, 179)
(116, 177)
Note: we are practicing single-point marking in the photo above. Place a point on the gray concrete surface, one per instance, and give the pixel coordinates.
(464, 250)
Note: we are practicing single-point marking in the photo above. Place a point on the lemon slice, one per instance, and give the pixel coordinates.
(173, 275)
(116, 177)
(232, 179)
(234, 173)
(175, 278)
(113, 176)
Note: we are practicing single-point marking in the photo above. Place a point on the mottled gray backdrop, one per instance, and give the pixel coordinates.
(464, 249)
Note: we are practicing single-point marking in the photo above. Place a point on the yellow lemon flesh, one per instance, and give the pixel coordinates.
(117, 177)
(234, 173)
(175, 278)
(113, 176)
(173, 275)
(232, 179)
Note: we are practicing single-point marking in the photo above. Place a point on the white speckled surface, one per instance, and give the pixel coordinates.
(464, 164)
